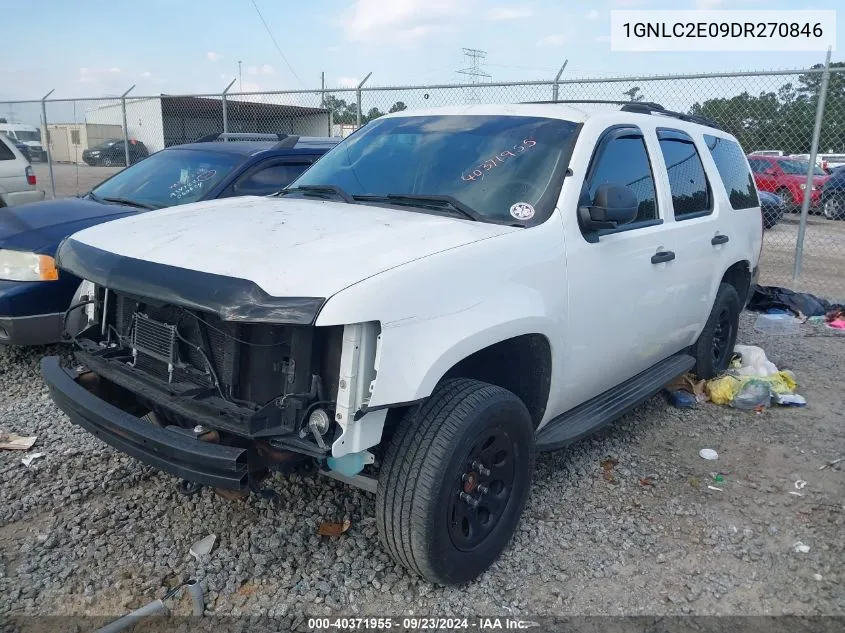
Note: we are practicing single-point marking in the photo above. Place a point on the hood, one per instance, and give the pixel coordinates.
(287, 247)
(31, 143)
(40, 226)
(799, 178)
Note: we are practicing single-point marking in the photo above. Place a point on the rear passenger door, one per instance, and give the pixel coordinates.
(694, 228)
(270, 176)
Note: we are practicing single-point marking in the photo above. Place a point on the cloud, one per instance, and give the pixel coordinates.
(146, 74)
(348, 82)
(267, 69)
(252, 70)
(213, 57)
(400, 20)
(114, 70)
(509, 13)
(552, 40)
(592, 14)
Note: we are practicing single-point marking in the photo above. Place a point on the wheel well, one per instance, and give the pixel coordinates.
(739, 276)
(522, 365)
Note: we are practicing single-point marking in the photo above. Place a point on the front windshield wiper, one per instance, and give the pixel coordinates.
(131, 203)
(427, 201)
(318, 189)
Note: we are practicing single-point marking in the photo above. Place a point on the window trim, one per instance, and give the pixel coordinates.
(610, 134)
(679, 136)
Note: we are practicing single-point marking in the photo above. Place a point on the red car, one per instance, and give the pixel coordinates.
(787, 177)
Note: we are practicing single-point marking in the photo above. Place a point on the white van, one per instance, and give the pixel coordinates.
(17, 180)
(29, 135)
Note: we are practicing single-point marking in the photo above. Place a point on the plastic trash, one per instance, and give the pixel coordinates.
(789, 400)
(27, 461)
(753, 394)
(754, 361)
(800, 547)
(203, 546)
(682, 399)
(708, 453)
(777, 324)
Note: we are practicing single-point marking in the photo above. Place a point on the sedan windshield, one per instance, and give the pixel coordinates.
(168, 178)
(799, 168)
(24, 135)
(498, 168)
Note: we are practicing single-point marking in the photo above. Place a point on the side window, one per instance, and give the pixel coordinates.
(757, 166)
(5, 152)
(74, 137)
(269, 180)
(623, 160)
(730, 163)
(687, 180)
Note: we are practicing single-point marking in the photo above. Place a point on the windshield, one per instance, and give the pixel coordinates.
(27, 136)
(504, 168)
(170, 177)
(799, 168)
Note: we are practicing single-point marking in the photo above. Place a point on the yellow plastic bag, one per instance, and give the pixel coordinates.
(782, 382)
(724, 389)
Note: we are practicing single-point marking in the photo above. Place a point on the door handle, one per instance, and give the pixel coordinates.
(719, 239)
(662, 256)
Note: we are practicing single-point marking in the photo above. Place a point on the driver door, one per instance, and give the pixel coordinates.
(621, 281)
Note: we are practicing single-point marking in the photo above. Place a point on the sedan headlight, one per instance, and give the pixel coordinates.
(21, 266)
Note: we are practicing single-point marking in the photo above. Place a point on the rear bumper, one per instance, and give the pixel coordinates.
(174, 452)
(17, 198)
(39, 329)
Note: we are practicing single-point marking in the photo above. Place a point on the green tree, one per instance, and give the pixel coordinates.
(634, 94)
(398, 107)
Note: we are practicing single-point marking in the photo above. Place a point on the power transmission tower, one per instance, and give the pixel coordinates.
(474, 70)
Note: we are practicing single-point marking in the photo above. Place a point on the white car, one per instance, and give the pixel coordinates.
(28, 135)
(441, 296)
(17, 180)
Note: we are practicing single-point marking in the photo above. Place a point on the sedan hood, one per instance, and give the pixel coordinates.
(40, 226)
(287, 247)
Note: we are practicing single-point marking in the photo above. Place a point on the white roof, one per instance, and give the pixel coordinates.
(548, 110)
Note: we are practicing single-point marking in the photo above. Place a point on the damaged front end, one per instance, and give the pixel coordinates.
(214, 400)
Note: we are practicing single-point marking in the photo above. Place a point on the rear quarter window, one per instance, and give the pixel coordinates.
(5, 152)
(733, 170)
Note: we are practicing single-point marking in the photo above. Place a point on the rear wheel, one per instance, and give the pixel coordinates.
(455, 480)
(107, 161)
(715, 345)
(788, 202)
(834, 208)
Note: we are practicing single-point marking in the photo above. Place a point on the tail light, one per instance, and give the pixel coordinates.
(30, 175)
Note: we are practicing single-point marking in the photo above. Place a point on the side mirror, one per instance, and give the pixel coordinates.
(611, 206)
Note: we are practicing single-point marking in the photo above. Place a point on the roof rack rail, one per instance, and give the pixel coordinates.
(241, 136)
(640, 107)
(287, 142)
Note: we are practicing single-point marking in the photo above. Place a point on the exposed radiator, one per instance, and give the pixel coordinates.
(154, 339)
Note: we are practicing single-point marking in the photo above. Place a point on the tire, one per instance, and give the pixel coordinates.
(834, 208)
(107, 161)
(788, 202)
(434, 456)
(715, 345)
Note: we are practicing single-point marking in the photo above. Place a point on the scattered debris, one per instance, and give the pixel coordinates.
(695, 483)
(328, 528)
(682, 399)
(708, 453)
(27, 461)
(718, 479)
(818, 577)
(646, 481)
(800, 547)
(753, 382)
(790, 400)
(715, 488)
(13, 442)
(686, 391)
(777, 324)
(801, 304)
(831, 463)
(203, 547)
(797, 494)
(800, 484)
(837, 324)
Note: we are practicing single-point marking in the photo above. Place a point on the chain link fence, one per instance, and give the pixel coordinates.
(769, 112)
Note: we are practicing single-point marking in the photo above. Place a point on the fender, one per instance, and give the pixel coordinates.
(487, 292)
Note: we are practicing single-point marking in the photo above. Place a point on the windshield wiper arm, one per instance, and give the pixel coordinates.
(132, 203)
(318, 189)
(427, 201)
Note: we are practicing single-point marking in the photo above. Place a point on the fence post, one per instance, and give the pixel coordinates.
(358, 95)
(557, 80)
(47, 134)
(225, 111)
(125, 124)
(808, 183)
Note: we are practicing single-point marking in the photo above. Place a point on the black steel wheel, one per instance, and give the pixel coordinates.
(715, 345)
(454, 481)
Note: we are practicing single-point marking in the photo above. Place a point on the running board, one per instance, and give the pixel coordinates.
(612, 404)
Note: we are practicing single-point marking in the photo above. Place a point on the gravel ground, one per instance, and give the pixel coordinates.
(87, 530)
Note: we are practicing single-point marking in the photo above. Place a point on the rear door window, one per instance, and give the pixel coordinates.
(5, 152)
(687, 179)
(730, 162)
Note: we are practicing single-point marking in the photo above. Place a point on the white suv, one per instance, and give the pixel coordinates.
(17, 180)
(442, 295)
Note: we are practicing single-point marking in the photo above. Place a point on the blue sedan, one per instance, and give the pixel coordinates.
(34, 294)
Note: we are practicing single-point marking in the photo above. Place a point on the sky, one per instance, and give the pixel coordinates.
(86, 48)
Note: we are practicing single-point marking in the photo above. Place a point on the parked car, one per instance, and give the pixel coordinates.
(34, 295)
(23, 148)
(28, 135)
(787, 177)
(113, 152)
(833, 195)
(17, 179)
(438, 297)
(772, 207)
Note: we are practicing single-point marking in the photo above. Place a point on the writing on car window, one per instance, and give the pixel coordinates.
(499, 159)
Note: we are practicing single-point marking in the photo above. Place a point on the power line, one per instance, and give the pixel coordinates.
(278, 48)
(474, 70)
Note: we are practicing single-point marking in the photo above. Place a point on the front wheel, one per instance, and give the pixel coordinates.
(454, 481)
(834, 208)
(715, 345)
